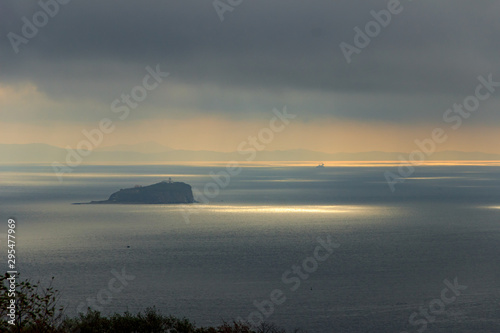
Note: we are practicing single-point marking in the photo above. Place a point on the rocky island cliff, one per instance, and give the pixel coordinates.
(159, 193)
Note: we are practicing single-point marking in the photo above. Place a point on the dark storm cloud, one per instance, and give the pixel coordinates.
(428, 56)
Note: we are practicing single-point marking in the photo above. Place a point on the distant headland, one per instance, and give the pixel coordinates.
(165, 192)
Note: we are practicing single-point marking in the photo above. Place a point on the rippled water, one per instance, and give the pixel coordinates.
(396, 249)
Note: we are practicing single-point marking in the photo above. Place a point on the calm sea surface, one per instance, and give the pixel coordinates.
(396, 249)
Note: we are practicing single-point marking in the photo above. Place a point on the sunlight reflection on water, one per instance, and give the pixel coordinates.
(286, 209)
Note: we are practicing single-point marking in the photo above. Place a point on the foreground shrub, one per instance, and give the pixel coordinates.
(151, 321)
(37, 311)
(36, 307)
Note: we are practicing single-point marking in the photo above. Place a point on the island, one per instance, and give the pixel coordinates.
(165, 192)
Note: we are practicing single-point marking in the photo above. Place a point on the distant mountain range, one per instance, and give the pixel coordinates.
(154, 152)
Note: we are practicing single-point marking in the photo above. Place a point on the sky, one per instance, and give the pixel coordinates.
(356, 75)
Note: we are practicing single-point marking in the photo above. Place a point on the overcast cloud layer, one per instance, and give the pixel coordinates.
(264, 54)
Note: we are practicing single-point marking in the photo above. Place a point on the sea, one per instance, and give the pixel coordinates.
(329, 249)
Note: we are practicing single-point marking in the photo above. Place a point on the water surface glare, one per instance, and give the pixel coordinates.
(396, 249)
